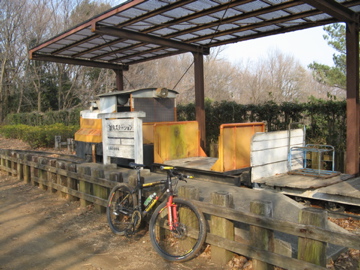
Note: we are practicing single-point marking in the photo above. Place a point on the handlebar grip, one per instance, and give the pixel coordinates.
(166, 168)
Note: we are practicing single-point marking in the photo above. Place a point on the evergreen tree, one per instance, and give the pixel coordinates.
(333, 76)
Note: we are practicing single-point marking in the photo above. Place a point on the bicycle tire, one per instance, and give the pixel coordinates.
(119, 210)
(178, 246)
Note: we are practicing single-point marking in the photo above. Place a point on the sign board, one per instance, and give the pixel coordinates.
(122, 136)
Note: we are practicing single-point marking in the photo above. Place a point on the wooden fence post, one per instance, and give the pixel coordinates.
(20, 166)
(27, 173)
(72, 183)
(52, 177)
(62, 179)
(8, 162)
(84, 186)
(42, 173)
(192, 193)
(261, 238)
(116, 177)
(99, 191)
(14, 164)
(222, 227)
(311, 250)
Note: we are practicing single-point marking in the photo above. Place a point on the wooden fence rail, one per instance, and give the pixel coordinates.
(91, 183)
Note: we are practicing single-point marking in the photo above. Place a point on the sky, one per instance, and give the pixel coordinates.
(306, 46)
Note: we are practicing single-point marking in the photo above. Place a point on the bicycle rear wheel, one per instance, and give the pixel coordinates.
(121, 205)
(185, 241)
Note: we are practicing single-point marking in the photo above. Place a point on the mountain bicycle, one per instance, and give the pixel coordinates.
(177, 227)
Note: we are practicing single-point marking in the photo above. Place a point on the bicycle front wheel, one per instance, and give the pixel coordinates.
(186, 239)
(121, 205)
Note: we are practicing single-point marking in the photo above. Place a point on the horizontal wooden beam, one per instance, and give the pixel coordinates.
(335, 9)
(80, 62)
(150, 39)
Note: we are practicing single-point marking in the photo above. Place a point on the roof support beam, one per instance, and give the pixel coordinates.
(200, 96)
(66, 60)
(146, 38)
(334, 9)
(352, 99)
(119, 79)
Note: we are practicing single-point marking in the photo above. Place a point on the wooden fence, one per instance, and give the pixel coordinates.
(90, 183)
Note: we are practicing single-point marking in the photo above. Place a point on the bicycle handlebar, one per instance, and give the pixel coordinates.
(171, 171)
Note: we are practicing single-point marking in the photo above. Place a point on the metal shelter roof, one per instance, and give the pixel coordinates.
(142, 30)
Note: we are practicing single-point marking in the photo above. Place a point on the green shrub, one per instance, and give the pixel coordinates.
(38, 136)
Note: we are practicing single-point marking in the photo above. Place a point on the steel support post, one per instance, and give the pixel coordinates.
(119, 79)
(200, 96)
(352, 98)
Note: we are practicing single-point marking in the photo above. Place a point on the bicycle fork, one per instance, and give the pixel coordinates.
(172, 213)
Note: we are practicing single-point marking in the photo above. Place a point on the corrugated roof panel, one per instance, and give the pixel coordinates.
(276, 2)
(292, 23)
(73, 38)
(227, 26)
(273, 15)
(223, 14)
(139, 26)
(248, 21)
(164, 31)
(355, 8)
(64, 42)
(203, 20)
(319, 17)
(84, 32)
(221, 38)
(267, 28)
(46, 50)
(245, 33)
(55, 46)
(183, 26)
(200, 5)
(171, 50)
(151, 5)
(205, 32)
(152, 46)
(78, 49)
(158, 19)
(255, 5)
(114, 20)
(109, 38)
(185, 37)
(178, 12)
(299, 8)
(67, 53)
(133, 12)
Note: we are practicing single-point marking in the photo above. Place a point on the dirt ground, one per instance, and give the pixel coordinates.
(42, 231)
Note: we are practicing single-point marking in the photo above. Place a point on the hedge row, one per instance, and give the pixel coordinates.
(67, 117)
(38, 136)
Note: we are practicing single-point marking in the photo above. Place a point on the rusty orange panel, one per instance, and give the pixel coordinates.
(148, 133)
(176, 140)
(90, 131)
(234, 145)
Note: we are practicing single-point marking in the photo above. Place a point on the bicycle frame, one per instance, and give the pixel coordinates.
(172, 210)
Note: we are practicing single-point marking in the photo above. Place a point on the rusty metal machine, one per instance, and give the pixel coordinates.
(158, 104)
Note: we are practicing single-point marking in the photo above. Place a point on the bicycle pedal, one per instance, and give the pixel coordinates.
(129, 233)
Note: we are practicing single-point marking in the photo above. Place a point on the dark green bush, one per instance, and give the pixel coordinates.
(38, 136)
(66, 117)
